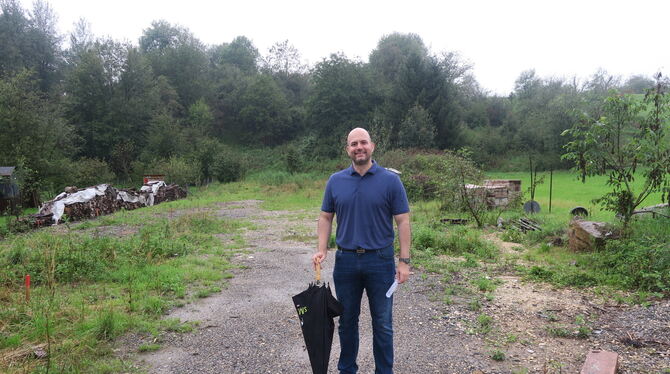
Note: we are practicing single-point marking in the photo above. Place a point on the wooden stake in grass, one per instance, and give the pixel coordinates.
(27, 288)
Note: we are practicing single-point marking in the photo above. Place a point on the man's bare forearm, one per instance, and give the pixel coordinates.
(404, 234)
(324, 228)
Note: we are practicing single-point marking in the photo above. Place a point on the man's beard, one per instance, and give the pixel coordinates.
(361, 161)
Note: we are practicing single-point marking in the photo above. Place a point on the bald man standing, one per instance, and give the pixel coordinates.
(366, 198)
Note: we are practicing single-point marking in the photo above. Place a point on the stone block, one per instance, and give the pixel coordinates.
(601, 362)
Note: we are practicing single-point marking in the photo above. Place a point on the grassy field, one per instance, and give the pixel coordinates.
(89, 290)
(568, 192)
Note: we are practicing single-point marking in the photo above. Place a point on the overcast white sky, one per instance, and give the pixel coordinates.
(501, 38)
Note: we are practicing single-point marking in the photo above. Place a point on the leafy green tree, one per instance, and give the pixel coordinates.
(540, 110)
(90, 88)
(284, 63)
(135, 101)
(263, 116)
(343, 97)
(176, 54)
(393, 52)
(240, 53)
(81, 39)
(30, 41)
(34, 136)
(165, 138)
(200, 119)
(227, 166)
(283, 59)
(406, 75)
(417, 130)
(637, 84)
(177, 169)
(631, 138)
(90, 172)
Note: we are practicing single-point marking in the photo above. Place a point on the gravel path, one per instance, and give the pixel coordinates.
(251, 327)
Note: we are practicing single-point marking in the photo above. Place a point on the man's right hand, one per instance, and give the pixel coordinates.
(318, 258)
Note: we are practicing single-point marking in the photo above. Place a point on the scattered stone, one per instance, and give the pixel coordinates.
(601, 362)
(40, 353)
(587, 235)
(496, 192)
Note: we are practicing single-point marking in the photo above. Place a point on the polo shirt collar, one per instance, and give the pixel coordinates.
(375, 167)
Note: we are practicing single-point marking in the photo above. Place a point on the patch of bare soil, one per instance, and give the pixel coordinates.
(252, 326)
(552, 330)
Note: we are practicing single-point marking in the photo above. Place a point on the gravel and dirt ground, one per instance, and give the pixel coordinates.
(252, 327)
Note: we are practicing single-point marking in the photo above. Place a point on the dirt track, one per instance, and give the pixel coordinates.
(252, 327)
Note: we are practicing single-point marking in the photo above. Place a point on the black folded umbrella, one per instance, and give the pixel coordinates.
(316, 308)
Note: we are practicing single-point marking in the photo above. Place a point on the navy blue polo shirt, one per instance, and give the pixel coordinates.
(364, 206)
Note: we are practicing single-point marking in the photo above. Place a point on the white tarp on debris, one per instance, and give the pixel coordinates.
(152, 187)
(130, 198)
(57, 205)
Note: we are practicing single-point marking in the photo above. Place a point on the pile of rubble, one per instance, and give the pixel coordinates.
(496, 192)
(78, 204)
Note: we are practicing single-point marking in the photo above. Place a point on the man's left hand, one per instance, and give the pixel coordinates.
(402, 272)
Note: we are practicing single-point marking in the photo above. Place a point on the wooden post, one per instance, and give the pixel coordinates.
(27, 288)
(551, 186)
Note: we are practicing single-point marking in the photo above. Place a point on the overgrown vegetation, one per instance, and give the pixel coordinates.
(630, 135)
(88, 290)
(639, 262)
(106, 286)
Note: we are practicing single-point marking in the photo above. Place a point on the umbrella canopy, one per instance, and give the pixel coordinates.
(316, 307)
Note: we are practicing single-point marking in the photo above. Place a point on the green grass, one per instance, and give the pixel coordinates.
(569, 192)
(149, 348)
(91, 290)
(638, 263)
(498, 355)
(88, 291)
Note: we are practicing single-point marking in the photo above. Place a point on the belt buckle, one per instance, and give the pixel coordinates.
(360, 251)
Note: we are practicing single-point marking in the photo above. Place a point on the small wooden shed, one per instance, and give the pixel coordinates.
(9, 190)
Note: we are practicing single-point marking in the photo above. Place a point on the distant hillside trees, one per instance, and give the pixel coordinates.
(169, 100)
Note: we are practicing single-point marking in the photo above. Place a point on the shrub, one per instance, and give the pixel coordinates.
(429, 175)
(642, 261)
(297, 154)
(227, 166)
(90, 172)
(484, 323)
(461, 241)
(498, 355)
(176, 169)
(512, 235)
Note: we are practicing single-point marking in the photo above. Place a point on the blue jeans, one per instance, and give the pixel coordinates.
(374, 272)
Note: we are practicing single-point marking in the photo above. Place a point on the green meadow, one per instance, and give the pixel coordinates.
(568, 192)
(89, 290)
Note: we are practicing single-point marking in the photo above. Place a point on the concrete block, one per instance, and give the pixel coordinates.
(601, 362)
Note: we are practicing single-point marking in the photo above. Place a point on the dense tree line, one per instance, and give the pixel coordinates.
(117, 109)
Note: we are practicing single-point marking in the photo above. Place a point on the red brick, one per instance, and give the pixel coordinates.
(601, 362)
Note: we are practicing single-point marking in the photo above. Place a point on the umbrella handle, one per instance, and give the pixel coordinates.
(318, 272)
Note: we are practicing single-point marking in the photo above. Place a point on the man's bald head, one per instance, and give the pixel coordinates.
(357, 133)
(360, 147)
